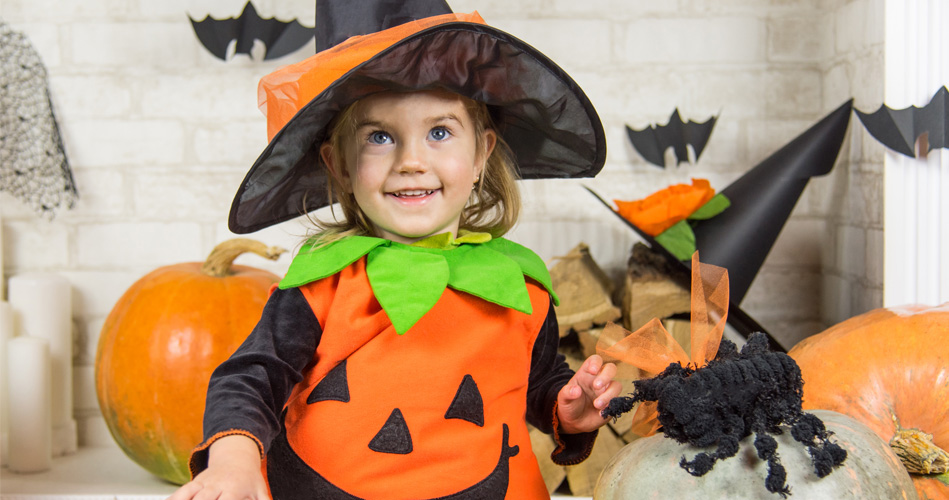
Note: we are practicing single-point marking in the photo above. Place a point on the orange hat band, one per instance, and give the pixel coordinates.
(285, 91)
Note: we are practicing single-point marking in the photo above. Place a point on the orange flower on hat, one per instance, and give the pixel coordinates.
(662, 209)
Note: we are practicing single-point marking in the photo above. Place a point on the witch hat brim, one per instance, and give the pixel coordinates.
(681, 274)
(550, 125)
(740, 237)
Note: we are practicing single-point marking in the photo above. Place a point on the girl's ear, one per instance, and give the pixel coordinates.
(489, 140)
(336, 167)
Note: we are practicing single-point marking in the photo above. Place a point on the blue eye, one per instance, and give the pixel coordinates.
(379, 137)
(439, 134)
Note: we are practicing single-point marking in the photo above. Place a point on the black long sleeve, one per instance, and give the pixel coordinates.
(247, 392)
(549, 373)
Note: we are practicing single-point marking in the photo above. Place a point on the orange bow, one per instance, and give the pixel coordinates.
(652, 348)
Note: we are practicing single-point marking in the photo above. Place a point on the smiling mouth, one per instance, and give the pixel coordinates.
(413, 193)
(295, 479)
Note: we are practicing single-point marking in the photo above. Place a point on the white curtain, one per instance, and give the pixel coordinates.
(916, 214)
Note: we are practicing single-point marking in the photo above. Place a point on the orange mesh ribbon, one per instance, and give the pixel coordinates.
(652, 348)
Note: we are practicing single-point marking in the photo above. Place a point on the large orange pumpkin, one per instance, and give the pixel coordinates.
(888, 368)
(161, 342)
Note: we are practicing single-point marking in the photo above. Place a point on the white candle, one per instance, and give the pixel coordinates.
(6, 333)
(28, 370)
(2, 290)
(44, 310)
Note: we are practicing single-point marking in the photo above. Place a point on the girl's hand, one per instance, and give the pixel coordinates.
(589, 391)
(233, 473)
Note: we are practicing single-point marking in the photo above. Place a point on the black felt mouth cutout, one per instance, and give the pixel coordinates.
(291, 478)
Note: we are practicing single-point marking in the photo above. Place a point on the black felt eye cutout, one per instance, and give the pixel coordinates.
(333, 387)
(467, 404)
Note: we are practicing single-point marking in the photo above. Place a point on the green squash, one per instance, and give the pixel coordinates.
(648, 468)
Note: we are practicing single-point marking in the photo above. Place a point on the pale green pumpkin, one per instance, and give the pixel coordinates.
(648, 468)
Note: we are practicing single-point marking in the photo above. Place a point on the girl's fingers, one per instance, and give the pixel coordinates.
(186, 492)
(573, 392)
(604, 377)
(594, 364)
(611, 392)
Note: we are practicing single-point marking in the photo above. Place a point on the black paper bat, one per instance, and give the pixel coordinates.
(898, 129)
(279, 37)
(652, 141)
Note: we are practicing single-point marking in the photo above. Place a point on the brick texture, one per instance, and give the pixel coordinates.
(159, 133)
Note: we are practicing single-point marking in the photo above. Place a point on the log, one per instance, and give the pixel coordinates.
(585, 292)
(649, 291)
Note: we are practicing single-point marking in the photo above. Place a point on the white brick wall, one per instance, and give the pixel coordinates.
(159, 133)
(851, 197)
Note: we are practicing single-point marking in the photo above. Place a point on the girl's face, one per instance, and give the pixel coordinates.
(412, 162)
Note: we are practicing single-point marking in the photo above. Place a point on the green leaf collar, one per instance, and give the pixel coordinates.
(408, 280)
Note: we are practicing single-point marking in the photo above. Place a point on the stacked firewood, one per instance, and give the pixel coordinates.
(589, 299)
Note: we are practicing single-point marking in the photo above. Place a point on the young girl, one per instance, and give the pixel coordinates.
(409, 345)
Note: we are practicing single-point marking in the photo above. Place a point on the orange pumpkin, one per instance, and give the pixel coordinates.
(161, 342)
(888, 368)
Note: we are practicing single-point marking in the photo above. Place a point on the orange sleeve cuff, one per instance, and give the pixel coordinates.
(571, 448)
(199, 456)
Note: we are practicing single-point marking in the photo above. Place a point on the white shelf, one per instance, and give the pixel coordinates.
(90, 474)
(93, 474)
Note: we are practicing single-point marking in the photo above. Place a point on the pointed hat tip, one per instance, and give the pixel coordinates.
(740, 238)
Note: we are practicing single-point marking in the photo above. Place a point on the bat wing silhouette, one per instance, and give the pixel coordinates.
(279, 37)
(898, 129)
(653, 141)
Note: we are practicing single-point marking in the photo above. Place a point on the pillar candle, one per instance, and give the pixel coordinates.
(6, 333)
(43, 305)
(28, 370)
(2, 289)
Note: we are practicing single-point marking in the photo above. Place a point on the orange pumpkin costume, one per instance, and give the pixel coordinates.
(371, 413)
(399, 371)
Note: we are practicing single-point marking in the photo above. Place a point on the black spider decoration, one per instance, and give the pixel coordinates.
(724, 402)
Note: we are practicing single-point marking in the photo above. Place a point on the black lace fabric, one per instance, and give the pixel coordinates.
(33, 164)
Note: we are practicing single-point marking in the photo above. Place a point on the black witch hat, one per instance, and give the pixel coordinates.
(373, 46)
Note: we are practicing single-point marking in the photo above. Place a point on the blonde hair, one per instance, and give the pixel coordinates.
(494, 204)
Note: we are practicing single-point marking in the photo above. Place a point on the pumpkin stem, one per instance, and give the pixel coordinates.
(918, 452)
(218, 263)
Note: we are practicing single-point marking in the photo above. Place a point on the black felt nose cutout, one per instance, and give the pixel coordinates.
(394, 437)
(467, 404)
(333, 387)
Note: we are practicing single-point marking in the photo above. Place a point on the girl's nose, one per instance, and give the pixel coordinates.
(411, 159)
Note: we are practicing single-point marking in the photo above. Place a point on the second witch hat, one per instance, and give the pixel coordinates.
(739, 238)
